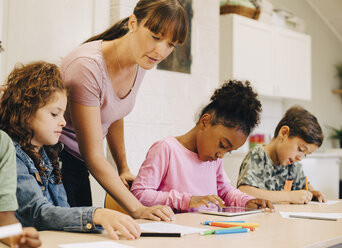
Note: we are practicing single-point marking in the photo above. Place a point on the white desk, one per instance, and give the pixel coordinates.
(274, 231)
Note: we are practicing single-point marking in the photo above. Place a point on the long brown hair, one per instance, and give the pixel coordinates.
(28, 88)
(162, 16)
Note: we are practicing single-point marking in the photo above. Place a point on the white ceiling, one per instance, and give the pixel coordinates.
(331, 13)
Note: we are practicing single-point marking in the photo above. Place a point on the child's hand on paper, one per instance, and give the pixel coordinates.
(28, 239)
(197, 201)
(260, 203)
(300, 196)
(317, 196)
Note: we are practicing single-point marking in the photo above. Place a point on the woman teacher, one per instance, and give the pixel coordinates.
(103, 76)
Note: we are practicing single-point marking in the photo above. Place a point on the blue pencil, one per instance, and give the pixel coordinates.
(226, 231)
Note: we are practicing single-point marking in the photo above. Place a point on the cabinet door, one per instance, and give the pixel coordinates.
(252, 54)
(293, 65)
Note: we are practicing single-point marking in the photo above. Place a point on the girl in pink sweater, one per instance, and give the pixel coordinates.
(186, 172)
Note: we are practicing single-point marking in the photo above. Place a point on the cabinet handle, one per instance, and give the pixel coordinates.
(1, 48)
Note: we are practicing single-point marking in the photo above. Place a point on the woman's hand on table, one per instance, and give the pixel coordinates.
(156, 213)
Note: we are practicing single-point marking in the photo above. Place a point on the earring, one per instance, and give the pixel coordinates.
(131, 31)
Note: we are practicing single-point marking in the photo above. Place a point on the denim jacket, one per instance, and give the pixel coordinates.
(43, 203)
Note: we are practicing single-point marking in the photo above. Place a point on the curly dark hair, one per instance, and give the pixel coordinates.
(302, 124)
(28, 88)
(235, 104)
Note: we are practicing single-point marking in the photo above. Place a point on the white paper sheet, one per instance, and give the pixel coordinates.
(101, 244)
(161, 227)
(310, 214)
(10, 230)
(329, 202)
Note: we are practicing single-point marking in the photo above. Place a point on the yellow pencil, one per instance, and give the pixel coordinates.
(306, 184)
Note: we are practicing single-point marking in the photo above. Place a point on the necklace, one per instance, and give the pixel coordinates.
(116, 56)
(130, 71)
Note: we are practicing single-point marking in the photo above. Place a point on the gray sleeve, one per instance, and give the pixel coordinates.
(8, 174)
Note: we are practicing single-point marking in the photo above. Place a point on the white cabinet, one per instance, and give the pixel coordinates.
(276, 61)
(293, 64)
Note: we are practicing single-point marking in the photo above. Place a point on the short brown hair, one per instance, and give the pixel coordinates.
(302, 124)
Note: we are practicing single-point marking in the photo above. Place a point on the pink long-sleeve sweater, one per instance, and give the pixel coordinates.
(172, 174)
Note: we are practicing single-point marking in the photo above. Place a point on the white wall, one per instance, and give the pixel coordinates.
(48, 29)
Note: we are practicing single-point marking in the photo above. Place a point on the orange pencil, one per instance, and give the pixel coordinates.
(306, 184)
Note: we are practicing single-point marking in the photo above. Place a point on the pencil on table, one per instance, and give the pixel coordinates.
(306, 184)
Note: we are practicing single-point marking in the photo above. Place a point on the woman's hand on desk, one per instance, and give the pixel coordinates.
(260, 203)
(112, 221)
(317, 196)
(156, 213)
(300, 196)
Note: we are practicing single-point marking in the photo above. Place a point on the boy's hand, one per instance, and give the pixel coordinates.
(317, 196)
(260, 203)
(197, 201)
(28, 239)
(300, 196)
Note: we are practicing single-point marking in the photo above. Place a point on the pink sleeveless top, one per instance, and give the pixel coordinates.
(85, 74)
